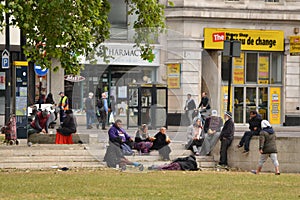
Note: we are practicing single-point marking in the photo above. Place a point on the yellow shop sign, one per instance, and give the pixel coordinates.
(257, 40)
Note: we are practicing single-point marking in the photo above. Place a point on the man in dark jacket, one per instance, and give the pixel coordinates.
(189, 108)
(254, 126)
(226, 138)
(204, 104)
(267, 147)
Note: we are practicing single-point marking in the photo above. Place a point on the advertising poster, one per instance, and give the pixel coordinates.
(294, 45)
(238, 70)
(173, 72)
(122, 92)
(2, 80)
(224, 100)
(263, 70)
(275, 105)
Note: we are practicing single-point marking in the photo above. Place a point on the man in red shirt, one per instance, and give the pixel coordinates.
(40, 123)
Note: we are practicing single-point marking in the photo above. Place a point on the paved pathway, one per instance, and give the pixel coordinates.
(178, 133)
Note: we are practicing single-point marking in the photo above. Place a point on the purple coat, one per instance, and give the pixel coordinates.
(115, 132)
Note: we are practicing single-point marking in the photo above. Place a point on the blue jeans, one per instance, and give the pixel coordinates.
(90, 117)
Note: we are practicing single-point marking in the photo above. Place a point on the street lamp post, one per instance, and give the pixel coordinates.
(8, 71)
(232, 48)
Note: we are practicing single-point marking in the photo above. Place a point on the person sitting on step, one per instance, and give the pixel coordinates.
(161, 143)
(143, 142)
(194, 136)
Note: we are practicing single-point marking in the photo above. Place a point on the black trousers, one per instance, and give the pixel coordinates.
(102, 119)
(225, 144)
(245, 141)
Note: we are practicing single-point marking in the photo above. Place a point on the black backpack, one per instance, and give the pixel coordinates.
(100, 103)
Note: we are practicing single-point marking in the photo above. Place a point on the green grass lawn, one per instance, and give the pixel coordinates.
(112, 184)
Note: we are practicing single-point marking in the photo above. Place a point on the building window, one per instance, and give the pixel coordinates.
(271, 0)
(118, 19)
(251, 67)
(254, 68)
(276, 70)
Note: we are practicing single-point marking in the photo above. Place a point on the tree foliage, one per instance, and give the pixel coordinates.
(65, 29)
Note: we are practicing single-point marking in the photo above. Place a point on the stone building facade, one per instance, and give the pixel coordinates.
(265, 78)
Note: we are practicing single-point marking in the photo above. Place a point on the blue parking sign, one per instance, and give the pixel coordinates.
(5, 59)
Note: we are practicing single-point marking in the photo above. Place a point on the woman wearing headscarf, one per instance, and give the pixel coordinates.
(64, 133)
(194, 136)
(267, 147)
(143, 142)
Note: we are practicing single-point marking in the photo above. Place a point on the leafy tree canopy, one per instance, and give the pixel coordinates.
(65, 29)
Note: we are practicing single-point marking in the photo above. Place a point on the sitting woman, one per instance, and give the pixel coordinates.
(143, 142)
(194, 136)
(64, 133)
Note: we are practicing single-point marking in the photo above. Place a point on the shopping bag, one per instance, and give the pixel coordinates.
(111, 118)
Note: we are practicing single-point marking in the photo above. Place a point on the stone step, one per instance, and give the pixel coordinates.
(210, 164)
(51, 165)
(32, 159)
(43, 156)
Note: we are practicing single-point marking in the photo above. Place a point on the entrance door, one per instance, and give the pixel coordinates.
(238, 104)
(251, 103)
(263, 102)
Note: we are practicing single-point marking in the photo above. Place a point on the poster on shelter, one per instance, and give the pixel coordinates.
(2, 80)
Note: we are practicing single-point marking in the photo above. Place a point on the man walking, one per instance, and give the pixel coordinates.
(102, 107)
(189, 108)
(90, 111)
(63, 106)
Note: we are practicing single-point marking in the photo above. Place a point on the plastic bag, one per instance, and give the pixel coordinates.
(111, 118)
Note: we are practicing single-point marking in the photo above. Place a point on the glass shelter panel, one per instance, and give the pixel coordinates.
(159, 111)
(146, 104)
(133, 96)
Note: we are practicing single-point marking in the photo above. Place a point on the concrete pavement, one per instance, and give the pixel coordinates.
(178, 133)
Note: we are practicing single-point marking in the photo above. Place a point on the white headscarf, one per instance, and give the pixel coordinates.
(265, 124)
